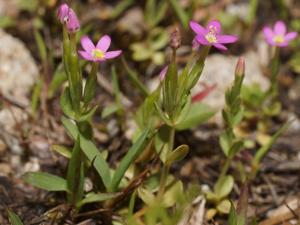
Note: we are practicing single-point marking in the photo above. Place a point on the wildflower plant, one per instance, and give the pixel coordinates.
(165, 110)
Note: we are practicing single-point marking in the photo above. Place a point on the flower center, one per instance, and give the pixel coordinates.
(211, 37)
(278, 39)
(98, 54)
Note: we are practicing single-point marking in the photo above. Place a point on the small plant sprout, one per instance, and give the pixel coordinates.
(211, 35)
(229, 142)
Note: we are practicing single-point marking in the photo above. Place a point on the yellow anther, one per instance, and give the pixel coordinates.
(278, 39)
(98, 54)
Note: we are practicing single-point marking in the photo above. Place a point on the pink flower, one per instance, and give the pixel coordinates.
(99, 52)
(210, 35)
(278, 36)
(67, 16)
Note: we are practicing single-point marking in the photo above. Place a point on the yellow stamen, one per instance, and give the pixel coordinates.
(98, 54)
(211, 37)
(278, 39)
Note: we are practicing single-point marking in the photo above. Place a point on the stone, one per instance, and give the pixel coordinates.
(219, 69)
(18, 74)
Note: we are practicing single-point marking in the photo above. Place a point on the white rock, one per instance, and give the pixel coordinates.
(219, 69)
(18, 73)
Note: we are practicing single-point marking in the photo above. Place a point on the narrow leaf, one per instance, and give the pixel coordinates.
(14, 219)
(91, 151)
(46, 181)
(178, 154)
(128, 159)
(74, 174)
(96, 197)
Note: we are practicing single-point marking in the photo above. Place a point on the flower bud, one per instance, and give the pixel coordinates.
(67, 16)
(175, 39)
(73, 22)
(240, 67)
(62, 13)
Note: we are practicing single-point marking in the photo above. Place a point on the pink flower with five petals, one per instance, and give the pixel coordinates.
(278, 36)
(210, 35)
(99, 52)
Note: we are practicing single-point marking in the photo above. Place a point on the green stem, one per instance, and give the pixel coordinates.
(225, 168)
(273, 91)
(90, 86)
(75, 75)
(166, 167)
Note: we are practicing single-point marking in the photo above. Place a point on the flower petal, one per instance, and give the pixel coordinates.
(290, 36)
(112, 54)
(197, 28)
(163, 73)
(280, 28)
(87, 44)
(268, 33)
(226, 39)
(86, 55)
(202, 40)
(214, 24)
(283, 44)
(104, 43)
(220, 46)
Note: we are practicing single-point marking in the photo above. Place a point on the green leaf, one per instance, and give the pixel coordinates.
(14, 219)
(120, 8)
(86, 116)
(178, 154)
(235, 148)
(75, 176)
(232, 218)
(66, 103)
(62, 150)
(46, 181)
(161, 114)
(145, 114)
(36, 93)
(41, 46)
(226, 141)
(147, 196)
(172, 194)
(224, 186)
(58, 79)
(96, 197)
(224, 206)
(91, 151)
(160, 142)
(198, 113)
(135, 150)
(110, 110)
(265, 148)
(182, 15)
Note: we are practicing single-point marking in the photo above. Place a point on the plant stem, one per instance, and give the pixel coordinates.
(166, 167)
(225, 168)
(273, 91)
